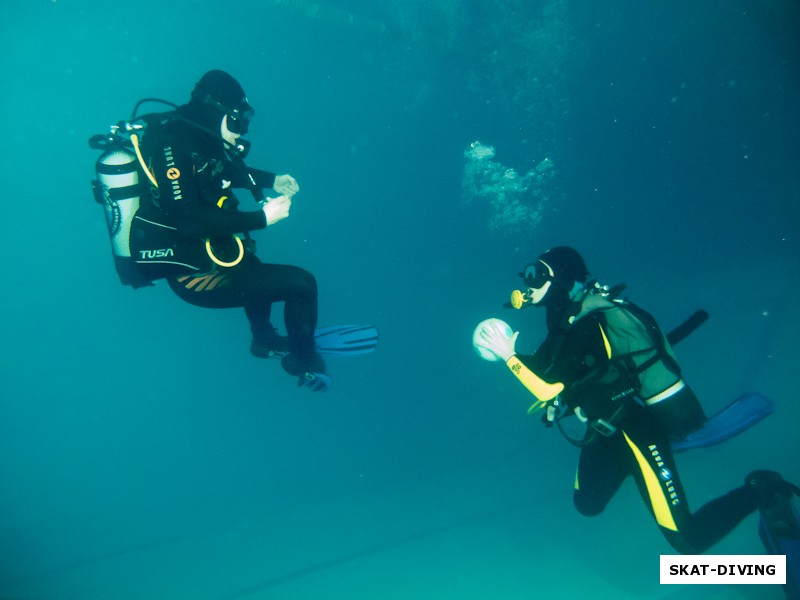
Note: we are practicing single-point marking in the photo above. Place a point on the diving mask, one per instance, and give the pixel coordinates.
(238, 118)
(538, 277)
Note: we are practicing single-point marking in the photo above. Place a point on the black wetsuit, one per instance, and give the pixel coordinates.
(640, 447)
(193, 214)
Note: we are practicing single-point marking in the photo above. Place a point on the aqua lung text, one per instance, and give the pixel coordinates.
(177, 194)
(665, 475)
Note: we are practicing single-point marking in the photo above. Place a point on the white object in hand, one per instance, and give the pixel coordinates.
(494, 340)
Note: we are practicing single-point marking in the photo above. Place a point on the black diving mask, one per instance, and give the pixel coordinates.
(238, 118)
(537, 277)
(536, 274)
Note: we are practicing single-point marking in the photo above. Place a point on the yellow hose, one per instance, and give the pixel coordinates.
(135, 142)
(226, 264)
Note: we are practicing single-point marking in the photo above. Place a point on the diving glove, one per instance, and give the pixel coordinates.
(276, 209)
(497, 339)
(285, 185)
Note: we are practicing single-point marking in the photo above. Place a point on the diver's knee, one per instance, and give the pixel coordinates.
(307, 281)
(587, 506)
(680, 543)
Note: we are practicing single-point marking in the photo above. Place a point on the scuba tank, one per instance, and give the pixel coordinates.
(121, 181)
(117, 189)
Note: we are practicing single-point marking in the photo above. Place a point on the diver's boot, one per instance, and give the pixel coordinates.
(316, 382)
(775, 502)
(269, 345)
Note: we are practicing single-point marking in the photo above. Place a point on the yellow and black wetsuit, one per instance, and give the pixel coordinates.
(639, 448)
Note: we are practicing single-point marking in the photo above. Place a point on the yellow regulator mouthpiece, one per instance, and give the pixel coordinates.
(519, 298)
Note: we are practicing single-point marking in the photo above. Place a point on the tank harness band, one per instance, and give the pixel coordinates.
(667, 393)
(123, 169)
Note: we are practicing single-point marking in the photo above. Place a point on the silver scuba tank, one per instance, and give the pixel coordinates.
(118, 174)
(117, 188)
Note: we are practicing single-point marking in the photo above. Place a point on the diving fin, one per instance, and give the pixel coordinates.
(346, 340)
(741, 414)
(339, 340)
(779, 530)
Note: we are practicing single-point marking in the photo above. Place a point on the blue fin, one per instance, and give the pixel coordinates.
(346, 340)
(780, 534)
(742, 413)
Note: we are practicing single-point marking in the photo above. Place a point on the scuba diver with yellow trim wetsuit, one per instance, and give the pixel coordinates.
(185, 225)
(606, 365)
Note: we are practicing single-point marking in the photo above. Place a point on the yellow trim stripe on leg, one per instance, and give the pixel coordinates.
(658, 500)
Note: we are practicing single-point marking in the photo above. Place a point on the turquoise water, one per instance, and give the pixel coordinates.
(145, 454)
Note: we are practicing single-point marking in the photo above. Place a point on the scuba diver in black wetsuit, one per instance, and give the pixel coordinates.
(607, 364)
(187, 220)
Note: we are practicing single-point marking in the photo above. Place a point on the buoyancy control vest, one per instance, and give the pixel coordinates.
(124, 184)
(641, 367)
